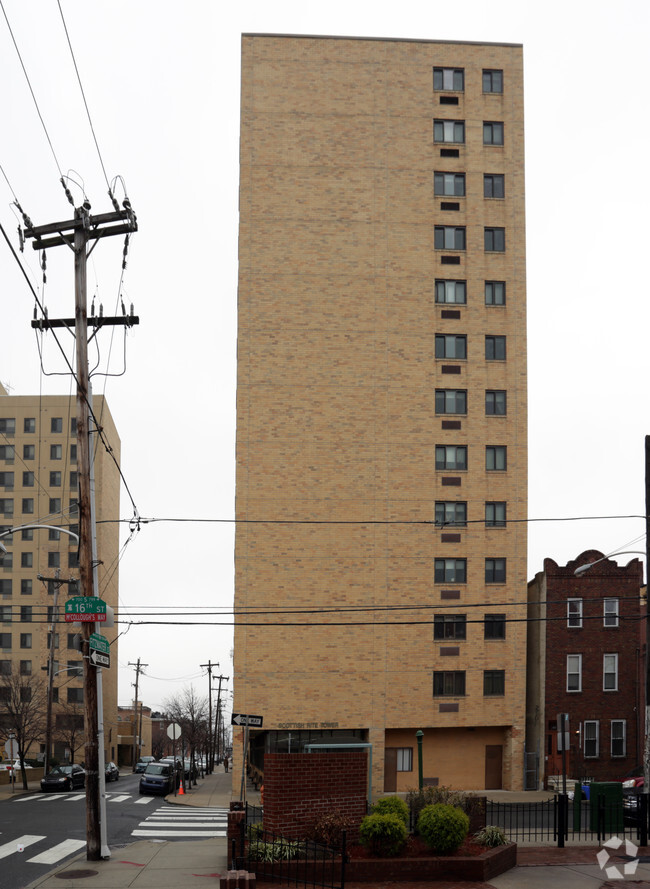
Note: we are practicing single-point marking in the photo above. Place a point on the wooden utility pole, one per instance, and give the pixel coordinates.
(210, 763)
(76, 234)
(220, 678)
(138, 667)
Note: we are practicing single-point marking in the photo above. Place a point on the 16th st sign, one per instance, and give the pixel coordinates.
(85, 609)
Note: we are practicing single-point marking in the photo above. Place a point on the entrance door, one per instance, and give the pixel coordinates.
(493, 766)
(390, 769)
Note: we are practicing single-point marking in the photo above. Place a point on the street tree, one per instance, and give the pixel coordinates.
(22, 712)
(69, 727)
(190, 711)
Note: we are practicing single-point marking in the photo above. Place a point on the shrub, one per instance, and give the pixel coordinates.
(429, 796)
(328, 829)
(443, 827)
(491, 836)
(278, 850)
(392, 805)
(383, 834)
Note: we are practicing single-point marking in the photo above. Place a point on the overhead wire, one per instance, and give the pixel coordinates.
(38, 110)
(83, 94)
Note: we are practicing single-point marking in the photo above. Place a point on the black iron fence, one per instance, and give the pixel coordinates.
(273, 857)
(560, 819)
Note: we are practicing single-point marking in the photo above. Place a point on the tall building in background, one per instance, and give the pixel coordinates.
(381, 436)
(39, 485)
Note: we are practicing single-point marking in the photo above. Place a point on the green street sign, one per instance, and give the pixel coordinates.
(99, 643)
(85, 609)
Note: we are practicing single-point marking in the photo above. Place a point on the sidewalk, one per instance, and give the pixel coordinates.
(147, 864)
(166, 865)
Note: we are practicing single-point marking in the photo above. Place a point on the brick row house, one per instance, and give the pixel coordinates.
(586, 649)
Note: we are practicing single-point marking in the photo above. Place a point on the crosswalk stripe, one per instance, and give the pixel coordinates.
(75, 796)
(56, 853)
(179, 833)
(144, 800)
(10, 848)
(118, 799)
(156, 824)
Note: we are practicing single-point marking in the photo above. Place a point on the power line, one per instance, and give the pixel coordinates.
(38, 110)
(92, 129)
(143, 520)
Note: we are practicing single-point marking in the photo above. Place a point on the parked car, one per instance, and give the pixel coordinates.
(634, 778)
(64, 778)
(142, 763)
(158, 777)
(9, 766)
(112, 773)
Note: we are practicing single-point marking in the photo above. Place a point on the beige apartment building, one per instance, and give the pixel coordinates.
(39, 485)
(381, 408)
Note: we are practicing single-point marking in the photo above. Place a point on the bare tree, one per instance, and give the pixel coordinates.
(70, 726)
(191, 712)
(22, 711)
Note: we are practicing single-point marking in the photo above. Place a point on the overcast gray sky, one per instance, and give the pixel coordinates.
(162, 83)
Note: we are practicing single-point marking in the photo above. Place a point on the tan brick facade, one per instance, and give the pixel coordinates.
(337, 377)
(45, 473)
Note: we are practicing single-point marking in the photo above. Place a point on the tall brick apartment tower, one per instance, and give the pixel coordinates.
(381, 437)
(39, 485)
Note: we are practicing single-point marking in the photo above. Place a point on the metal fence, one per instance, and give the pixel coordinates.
(273, 857)
(560, 819)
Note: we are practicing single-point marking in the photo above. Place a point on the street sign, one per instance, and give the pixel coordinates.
(85, 609)
(11, 748)
(100, 650)
(174, 731)
(244, 719)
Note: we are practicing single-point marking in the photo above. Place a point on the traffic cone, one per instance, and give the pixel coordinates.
(181, 792)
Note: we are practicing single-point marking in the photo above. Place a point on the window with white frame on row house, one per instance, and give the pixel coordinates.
(454, 292)
(617, 738)
(574, 672)
(574, 613)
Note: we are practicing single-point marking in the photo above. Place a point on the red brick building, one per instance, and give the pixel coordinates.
(586, 650)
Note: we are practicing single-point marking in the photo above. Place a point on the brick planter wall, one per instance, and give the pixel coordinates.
(300, 787)
(479, 868)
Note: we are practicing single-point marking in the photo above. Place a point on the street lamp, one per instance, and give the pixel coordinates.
(623, 552)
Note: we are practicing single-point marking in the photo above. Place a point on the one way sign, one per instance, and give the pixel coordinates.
(244, 719)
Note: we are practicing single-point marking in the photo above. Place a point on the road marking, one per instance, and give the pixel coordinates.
(76, 796)
(56, 853)
(119, 799)
(156, 824)
(143, 800)
(179, 833)
(24, 799)
(10, 848)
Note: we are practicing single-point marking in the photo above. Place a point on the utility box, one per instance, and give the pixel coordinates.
(606, 796)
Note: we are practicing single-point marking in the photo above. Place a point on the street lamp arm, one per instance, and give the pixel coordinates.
(624, 552)
(11, 531)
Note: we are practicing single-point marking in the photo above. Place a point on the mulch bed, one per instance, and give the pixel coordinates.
(416, 848)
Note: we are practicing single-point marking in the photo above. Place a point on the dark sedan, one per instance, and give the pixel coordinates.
(158, 777)
(112, 773)
(64, 778)
(142, 763)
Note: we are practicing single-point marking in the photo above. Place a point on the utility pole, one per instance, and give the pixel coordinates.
(57, 582)
(138, 668)
(220, 678)
(209, 666)
(76, 234)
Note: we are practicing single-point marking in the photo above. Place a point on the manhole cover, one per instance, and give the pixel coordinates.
(76, 874)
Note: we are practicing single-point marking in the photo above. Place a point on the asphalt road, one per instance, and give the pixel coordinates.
(52, 827)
